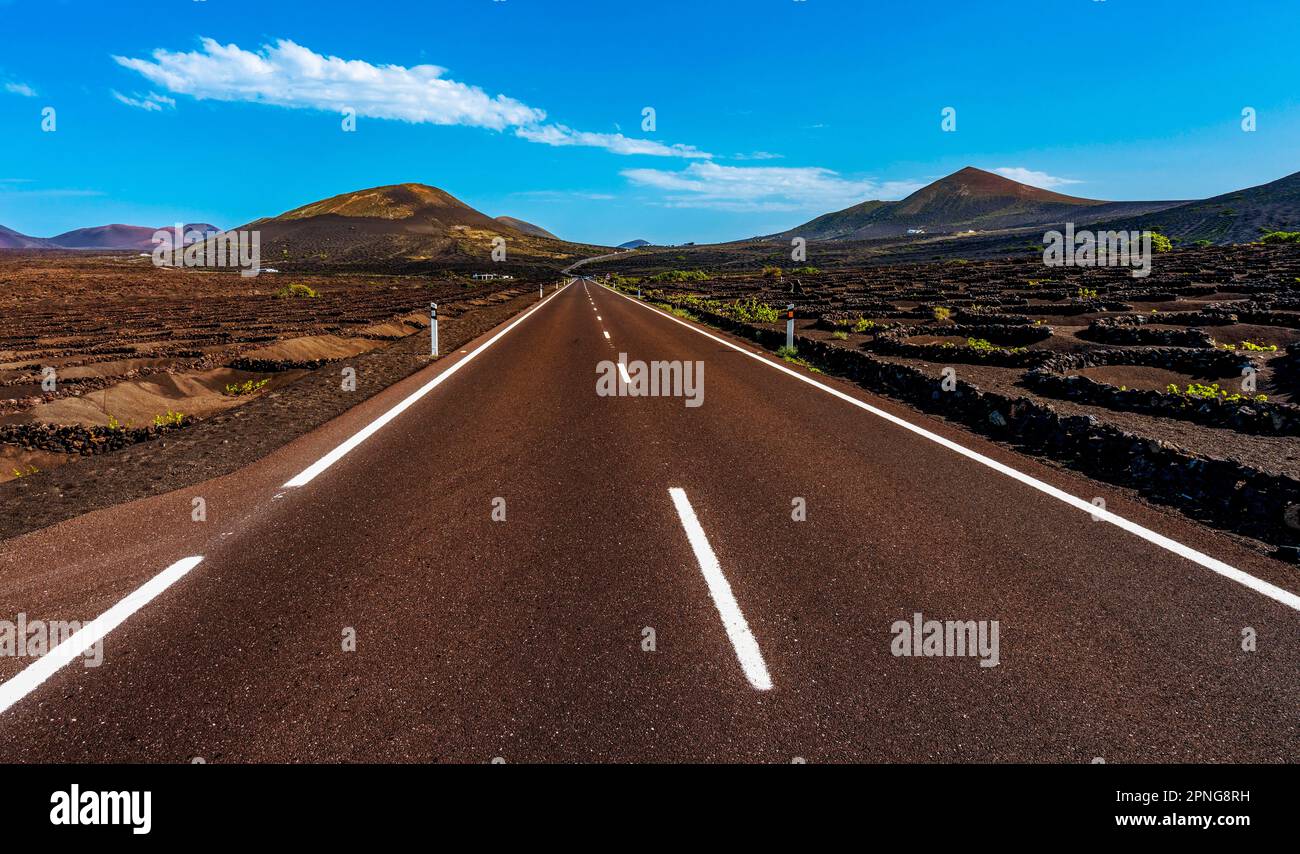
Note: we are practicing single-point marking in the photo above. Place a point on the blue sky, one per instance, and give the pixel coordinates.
(768, 112)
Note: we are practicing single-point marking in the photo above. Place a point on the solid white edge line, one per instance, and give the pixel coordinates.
(1260, 586)
(306, 475)
(34, 674)
(742, 639)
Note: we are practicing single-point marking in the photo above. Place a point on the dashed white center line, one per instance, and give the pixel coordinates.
(31, 677)
(606, 331)
(622, 372)
(742, 639)
(1272, 591)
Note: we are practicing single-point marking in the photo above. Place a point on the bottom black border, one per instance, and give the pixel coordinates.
(330, 801)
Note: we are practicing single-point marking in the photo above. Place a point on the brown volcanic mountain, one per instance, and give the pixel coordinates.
(968, 200)
(526, 227)
(1236, 217)
(10, 239)
(119, 236)
(402, 225)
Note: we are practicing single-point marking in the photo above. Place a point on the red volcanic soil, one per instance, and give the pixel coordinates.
(130, 341)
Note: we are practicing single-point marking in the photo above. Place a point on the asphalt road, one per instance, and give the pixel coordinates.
(631, 519)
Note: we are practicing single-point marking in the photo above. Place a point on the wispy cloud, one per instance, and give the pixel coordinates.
(153, 102)
(286, 74)
(1034, 178)
(20, 89)
(52, 193)
(564, 194)
(757, 155)
(615, 142)
(763, 188)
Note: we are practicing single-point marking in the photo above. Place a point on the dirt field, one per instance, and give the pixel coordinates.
(114, 345)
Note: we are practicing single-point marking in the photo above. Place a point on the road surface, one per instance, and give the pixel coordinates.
(536, 572)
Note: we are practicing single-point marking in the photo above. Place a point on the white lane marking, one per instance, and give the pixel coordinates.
(606, 331)
(309, 473)
(1215, 565)
(598, 317)
(742, 639)
(31, 677)
(622, 372)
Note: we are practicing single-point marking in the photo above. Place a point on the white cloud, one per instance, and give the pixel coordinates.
(1033, 178)
(757, 155)
(615, 142)
(763, 188)
(287, 74)
(20, 89)
(153, 102)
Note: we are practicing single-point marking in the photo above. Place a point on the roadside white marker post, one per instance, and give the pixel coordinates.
(541, 290)
(433, 327)
(789, 326)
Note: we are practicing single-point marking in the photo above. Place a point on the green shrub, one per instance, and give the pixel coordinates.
(246, 387)
(940, 313)
(1200, 391)
(170, 419)
(1281, 237)
(863, 325)
(295, 291)
(840, 335)
(680, 276)
(984, 346)
(754, 311)
(791, 355)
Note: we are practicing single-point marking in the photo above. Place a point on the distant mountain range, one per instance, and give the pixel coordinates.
(969, 200)
(419, 224)
(115, 236)
(398, 223)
